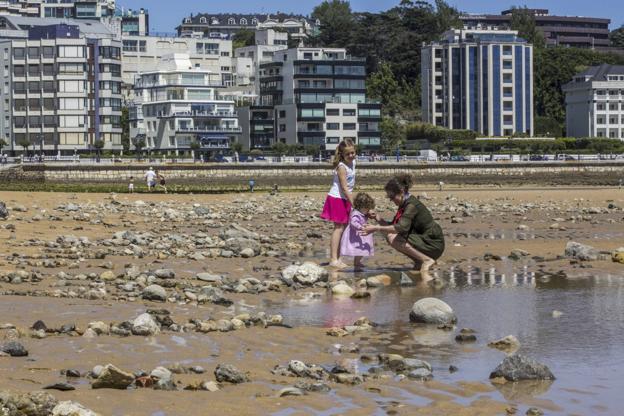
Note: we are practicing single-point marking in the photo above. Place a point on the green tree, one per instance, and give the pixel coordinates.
(2, 144)
(98, 145)
(392, 134)
(25, 143)
(523, 20)
(547, 127)
(242, 38)
(617, 37)
(125, 129)
(337, 23)
(139, 144)
(237, 147)
(195, 146)
(382, 85)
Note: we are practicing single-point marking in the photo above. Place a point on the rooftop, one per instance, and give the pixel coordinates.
(223, 18)
(600, 72)
(87, 27)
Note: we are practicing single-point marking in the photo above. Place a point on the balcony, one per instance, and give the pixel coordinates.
(208, 129)
(218, 114)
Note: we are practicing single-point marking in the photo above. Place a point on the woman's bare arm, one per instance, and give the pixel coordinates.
(342, 178)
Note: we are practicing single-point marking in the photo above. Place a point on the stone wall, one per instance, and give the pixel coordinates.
(305, 175)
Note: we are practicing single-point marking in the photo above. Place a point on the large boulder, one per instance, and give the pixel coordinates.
(517, 367)
(306, 274)
(230, 374)
(154, 292)
(72, 409)
(112, 377)
(581, 251)
(28, 404)
(14, 349)
(145, 325)
(618, 255)
(432, 311)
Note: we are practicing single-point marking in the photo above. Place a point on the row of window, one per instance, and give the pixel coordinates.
(37, 104)
(230, 21)
(35, 87)
(609, 120)
(348, 112)
(64, 51)
(64, 138)
(134, 46)
(62, 121)
(609, 92)
(611, 106)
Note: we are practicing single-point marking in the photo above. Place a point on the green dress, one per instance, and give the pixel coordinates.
(414, 222)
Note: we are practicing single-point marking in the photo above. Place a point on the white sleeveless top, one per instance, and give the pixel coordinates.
(336, 189)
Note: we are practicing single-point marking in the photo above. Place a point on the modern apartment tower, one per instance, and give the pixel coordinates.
(61, 85)
(178, 105)
(62, 9)
(480, 80)
(595, 103)
(318, 96)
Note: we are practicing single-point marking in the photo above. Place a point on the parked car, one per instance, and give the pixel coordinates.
(459, 158)
(538, 157)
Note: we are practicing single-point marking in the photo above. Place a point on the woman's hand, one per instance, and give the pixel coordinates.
(368, 229)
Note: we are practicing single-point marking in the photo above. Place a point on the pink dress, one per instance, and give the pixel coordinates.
(352, 244)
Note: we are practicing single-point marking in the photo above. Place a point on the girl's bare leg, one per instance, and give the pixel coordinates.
(334, 246)
(357, 263)
(401, 245)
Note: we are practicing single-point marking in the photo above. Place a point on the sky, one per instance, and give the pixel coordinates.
(165, 15)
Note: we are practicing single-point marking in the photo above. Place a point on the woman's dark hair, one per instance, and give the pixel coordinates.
(400, 184)
(363, 201)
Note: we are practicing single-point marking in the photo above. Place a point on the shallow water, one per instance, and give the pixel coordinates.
(584, 347)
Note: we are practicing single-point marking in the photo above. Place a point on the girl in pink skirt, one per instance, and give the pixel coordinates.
(339, 198)
(353, 243)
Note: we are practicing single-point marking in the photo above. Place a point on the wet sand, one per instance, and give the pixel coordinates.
(475, 223)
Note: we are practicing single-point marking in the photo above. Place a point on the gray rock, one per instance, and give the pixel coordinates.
(4, 212)
(154, 292)
(247, 253)
(318, 387)
(508, 343)
(14, 349)
(230, 374)
(112, 377)
(581, 251)
(60, 387)
(213, 295)
(145, 325)
(210, 278)
(306, 274)
(163, 379)
(290, 391)
(420, 374)
(37, 403)
(68, 408)
(164, 274)
(432, 311)
(517, 367)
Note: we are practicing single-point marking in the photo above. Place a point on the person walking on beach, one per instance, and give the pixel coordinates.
(413, 231)
(353, 244)
(161, 181)
(252, 183)
(150, 177)
(131, 185)
(339, 198)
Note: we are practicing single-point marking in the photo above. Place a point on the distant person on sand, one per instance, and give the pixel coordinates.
(150, 177)
(131, 185)
(340, 198)
(353, 244)
(413, 230)
(252, 183)
(161, 181)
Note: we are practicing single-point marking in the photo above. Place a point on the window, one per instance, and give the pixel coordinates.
(348, 112)
(34, 104)
(34, 121)
(348, 126)
(34, 87)
(71, 86)
(231, 21)
(19, 53)
(225, 54)
(312, 112)
(613, 106)
(71, 52)
(333, 140)
(225, 68)
(369, 112)
(18, 70)
(333, 112)
(19, 87)
(282, 127)
(202, 20)
(19, 121)
(49, 104)
(243, 21)
(19, 105)
(33, 52)
(350, 84)
(48, 52)
(71, 103)
(600, 107)
(71, 68)
(48, 69)
(282, 114)
(349, 70)
(333, 126)
(129, 45)
(71, 121)
(49, 121)
(142, 46)
(254, 21)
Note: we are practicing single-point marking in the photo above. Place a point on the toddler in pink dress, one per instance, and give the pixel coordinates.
(352, 243)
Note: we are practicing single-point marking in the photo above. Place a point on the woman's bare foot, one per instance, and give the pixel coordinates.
(424, 270)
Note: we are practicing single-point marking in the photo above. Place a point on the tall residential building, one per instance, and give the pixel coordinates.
(134, 22)
(178, 105)
(298, 27)
(61, 84)
(73, 9)
(143, 54)
(573, 31)
(595, 103)
(480, 80)
(249, 58)
(318, 97)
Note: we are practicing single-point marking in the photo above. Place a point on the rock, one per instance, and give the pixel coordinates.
(517, 254)
(37, 403)
(108, 276)
(379, 280)
(406, 280)
(361, 294)
(163, 379)
(145, 325)
(508, 343)
(154, 292)
(214, 295)
(39, 325)
(557, 314)
(344, 378)
(421, 374)
(112, 377)
(466, 335)
(68, 408)
(581, 251)
(453, 369)
(14, 349)
(247, 253)
(4, 212)
(618, 255)
(307, 274)
(209, 277)
(164, 274)
(517, 367)
(399, 364)
(318, 386)
(534, 411)
(60, 387)
(230, 374)
(290, 391)
(432, 311)
(342, 289)
(70, 372)
(99, 327)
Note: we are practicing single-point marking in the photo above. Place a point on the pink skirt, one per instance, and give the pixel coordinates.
(336, 210)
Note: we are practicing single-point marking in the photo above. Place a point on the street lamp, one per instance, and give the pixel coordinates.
(41, 147)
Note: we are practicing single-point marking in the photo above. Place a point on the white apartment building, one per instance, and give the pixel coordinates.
(143, 54)
(61, 85)
(178, 105)
(480, 80)
(595, 103)
(249, 58)
(73, 9)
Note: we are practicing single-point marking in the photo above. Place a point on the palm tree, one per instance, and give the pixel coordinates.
(194, 148)
(25, 143)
